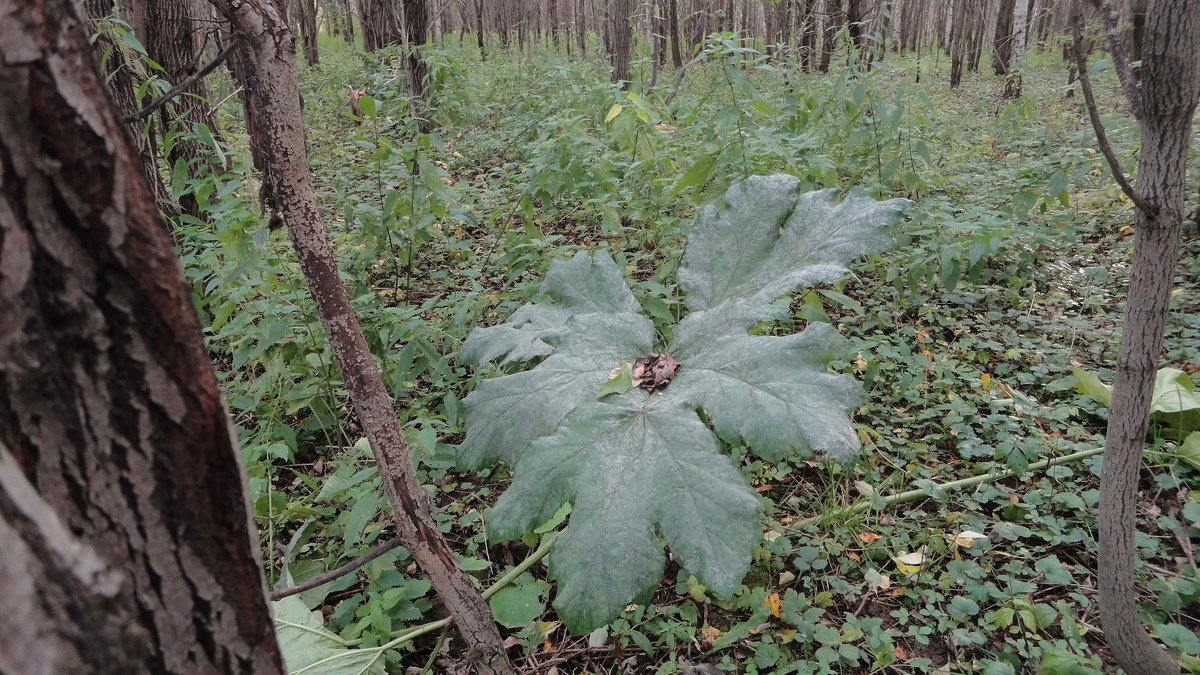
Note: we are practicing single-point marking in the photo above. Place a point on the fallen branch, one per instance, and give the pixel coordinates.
(337, 573)
(911, 495)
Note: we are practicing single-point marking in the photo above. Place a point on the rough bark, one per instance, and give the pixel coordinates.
(1170, 92)
(174, 38)
(479, 30)
(117, 72)
(621, 37)
(1002, 39)
(673, 30)
(832, 25)
(1012, 85)
(127, 543)
(416, 28)
(307, 18)
(268, 45)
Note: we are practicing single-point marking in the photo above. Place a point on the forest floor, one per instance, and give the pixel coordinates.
(1005, 284)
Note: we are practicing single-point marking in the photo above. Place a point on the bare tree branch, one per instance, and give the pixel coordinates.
(179, 88)
(1120, 59)
(1098, 126)
(337, 573)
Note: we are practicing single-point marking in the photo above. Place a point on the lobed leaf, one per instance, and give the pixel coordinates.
(642, 469)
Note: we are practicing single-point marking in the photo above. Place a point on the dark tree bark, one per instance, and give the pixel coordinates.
(960, 27)
(1169, 93)
(174, 38)
(127, 543)
(307, 18)
(416, 28)
(479, 30)
(833, 26)
(673, 30)
(621, 37)
(1002, 39)
(120, 81)
(267, 45)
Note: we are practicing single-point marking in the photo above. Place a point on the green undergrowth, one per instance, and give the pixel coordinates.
(1008, 272)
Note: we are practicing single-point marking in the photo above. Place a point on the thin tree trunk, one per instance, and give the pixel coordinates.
(1170, 91)
(308, 30)
(127, 543)
(832, 23)
(1012, 85)
(673, 28)
(267, 42)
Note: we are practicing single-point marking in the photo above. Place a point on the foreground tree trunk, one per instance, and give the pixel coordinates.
(267, 46)
(1163, 105)
(127, 547)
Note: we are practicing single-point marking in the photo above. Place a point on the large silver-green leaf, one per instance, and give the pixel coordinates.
(642, 469)
(588, 283)
(764, 238)
(772, 392)
(311, 649)
(636, 468)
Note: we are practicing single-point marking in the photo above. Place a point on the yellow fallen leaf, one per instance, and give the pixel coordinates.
(985, 380)
(774, 603)
(868, 537)
(709, 634)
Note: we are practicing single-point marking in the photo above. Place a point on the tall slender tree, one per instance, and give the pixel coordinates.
(1163, 105)
(620, 40)
(267, 46)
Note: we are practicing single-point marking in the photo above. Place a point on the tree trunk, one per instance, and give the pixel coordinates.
(267, 43)
(1012, 85)
(1170, 91)
(127, 544)
(832, 24)
(416, 71)
(479, 30)
(673, 30)
(621, 36)
(307, 16)
(117, 72)
(959, 25)
(174, 39)
(1003, 37)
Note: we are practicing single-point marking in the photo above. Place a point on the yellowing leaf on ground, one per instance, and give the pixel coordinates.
(709, 635)
(868, 537)
(774, 603)
(613, 112)
(966, 538)
(909, 563)
(985, 380)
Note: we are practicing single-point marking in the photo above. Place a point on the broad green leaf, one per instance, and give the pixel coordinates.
(643, 469)
(309, 648)
(1176, 401)
(1089, 384)
(764, 239)
(586, 283)
(771, 392)
(635, 467)
(515, 606)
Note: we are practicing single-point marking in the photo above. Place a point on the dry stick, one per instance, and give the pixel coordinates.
(179, 88)
(1114, 164)
(337, 573)
(1120, 61)
(911, 495)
